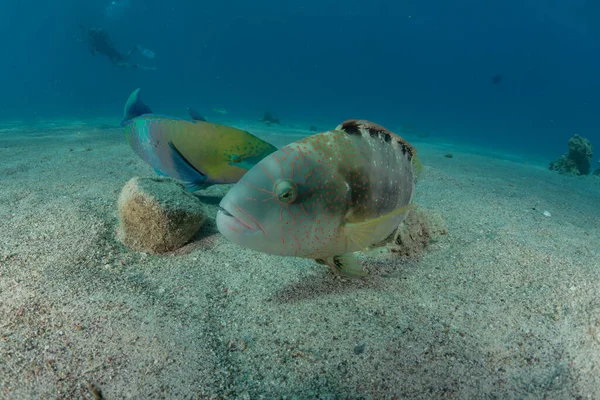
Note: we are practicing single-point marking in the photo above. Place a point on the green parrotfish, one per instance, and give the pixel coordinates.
(198, 153)
(324, 197)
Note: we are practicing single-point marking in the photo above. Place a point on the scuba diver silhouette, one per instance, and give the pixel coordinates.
(100, 43)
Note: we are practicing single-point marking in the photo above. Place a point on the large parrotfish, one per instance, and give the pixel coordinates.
(199, 153)
(324, 197)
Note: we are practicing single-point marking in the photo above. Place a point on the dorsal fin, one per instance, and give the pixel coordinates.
(364, 127)
(134, 107)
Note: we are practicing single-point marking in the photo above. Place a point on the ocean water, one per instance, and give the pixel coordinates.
(506, 305)
(427, 65)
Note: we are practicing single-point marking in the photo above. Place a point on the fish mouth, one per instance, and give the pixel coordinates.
(232, 221)
(224, 211)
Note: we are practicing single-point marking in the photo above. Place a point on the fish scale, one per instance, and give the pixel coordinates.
(199, 153)
(324, 196)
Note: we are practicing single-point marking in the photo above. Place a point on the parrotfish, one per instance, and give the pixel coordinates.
(199, 153)
(324, 197)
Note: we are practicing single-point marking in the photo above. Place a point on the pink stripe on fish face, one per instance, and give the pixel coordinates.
(252, 218)
(335, 174)
(297, 228)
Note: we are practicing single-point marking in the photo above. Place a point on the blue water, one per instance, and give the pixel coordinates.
(425, 64)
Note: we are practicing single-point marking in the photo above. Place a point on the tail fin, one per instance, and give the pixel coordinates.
(134, 107)
(145, 52)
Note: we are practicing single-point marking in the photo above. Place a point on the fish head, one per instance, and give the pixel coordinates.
(247, 156)
(288, 204)
(225, 153)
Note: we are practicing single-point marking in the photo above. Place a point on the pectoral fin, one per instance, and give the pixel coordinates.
(145, 52)
(362, 233)
(346, 265)
(417, 167)
(191, 177)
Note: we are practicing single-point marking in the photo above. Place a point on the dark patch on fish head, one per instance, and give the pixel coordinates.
(278, 202)
(364, 127)
(350, 127)
(360, 193)
(378, 131)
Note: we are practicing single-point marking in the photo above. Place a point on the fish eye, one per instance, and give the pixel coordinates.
(286, 191)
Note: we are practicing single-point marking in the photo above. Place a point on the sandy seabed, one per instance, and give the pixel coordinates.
(507, 305)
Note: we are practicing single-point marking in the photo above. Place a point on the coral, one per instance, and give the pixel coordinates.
(578, 160)
(157, 215)
(420, 228)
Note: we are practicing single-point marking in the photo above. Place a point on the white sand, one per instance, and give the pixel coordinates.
(507, 305)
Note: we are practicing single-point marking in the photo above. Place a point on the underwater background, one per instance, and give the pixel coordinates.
(515, 75)
(490, 288)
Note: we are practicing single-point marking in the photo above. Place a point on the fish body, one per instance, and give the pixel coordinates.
(198, 153)
(324, 197)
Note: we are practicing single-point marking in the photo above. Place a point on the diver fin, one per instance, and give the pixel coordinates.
(145, 52)
(362, 233)
(195, 116)
(191, 177)
(144, 68)
(134, 107)
(346, 265)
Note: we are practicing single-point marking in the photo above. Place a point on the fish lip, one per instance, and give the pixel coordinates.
(224, 211)
(234, 221)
